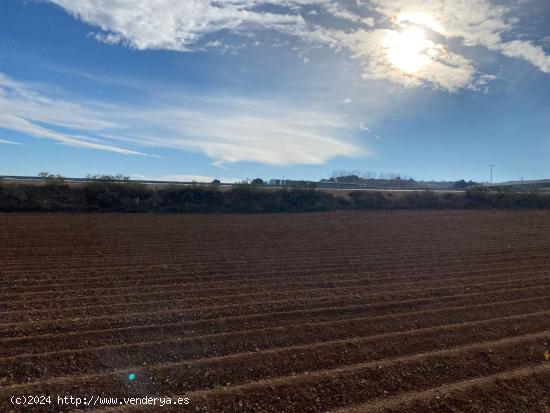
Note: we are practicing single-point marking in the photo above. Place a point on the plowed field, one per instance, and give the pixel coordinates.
(332, 312)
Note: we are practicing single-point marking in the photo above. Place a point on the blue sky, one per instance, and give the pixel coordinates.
(431, 89)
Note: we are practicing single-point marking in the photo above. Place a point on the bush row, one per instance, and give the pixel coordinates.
(131, 197)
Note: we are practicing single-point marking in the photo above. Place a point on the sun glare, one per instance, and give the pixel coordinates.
(409, 50)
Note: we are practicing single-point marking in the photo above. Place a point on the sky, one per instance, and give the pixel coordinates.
(236, 89)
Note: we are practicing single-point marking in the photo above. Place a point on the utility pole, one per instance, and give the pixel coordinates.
(491, 166)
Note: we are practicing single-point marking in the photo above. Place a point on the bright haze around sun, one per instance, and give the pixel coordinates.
(203, 89)
(409, 50)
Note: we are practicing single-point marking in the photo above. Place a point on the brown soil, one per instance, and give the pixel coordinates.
(342, 312)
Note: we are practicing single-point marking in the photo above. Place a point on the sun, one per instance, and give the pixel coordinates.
(409, 51)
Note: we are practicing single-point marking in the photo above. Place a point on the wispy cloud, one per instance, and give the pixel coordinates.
(234, 130)
(6, 142)
(23, 109)
(226, 129)
(182, 26)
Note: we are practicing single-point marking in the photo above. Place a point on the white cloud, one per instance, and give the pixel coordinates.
(166, 24)
(234, 130)
(224, 129)
(26, 102)
(364, 127)
(6, 142)
(525, 50)
(24, 110)
(337, 10)
(174, 25)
